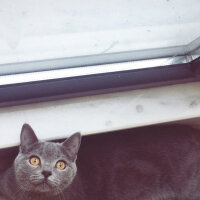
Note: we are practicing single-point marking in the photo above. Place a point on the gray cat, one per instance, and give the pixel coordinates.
(42, 170)
(150, 163)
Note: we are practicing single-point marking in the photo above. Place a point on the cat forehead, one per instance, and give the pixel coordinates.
(47, 149)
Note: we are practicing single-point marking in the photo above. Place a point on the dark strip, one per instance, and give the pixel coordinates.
(98, 84)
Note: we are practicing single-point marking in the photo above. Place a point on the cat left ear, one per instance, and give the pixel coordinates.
(72, 145)
(27, 137)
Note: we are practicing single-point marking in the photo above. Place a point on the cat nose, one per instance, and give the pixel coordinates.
(46, 174)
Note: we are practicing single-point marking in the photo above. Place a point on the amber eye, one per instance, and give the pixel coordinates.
(61, 165)
(34, 160)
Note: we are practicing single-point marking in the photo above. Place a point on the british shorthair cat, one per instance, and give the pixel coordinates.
(150, 163)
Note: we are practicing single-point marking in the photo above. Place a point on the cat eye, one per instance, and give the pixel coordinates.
(34, 160)
(61, 165)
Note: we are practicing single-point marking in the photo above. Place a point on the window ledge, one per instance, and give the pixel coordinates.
(101, 113)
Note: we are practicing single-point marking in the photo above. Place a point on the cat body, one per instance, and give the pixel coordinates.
(152, 163)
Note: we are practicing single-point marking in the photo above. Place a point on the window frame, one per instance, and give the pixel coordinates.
(47, 90)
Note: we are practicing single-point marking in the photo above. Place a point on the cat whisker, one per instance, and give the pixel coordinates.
(54, 182)
(40, 178)
(33, 175)
(19, 190)
(35, 181)
(23, 194)
(36, 176)
(60, 193)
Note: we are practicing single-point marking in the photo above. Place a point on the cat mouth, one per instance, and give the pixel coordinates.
(44, 183)
(43, 186)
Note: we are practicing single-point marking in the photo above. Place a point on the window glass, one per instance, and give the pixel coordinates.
(64, 31)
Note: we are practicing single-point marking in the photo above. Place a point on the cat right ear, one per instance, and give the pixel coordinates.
(27, 137)
(72, 145)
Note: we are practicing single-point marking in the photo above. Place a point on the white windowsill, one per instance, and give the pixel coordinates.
(101, 113)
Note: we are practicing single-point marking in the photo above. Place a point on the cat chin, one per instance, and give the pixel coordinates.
(47, 191)
(44, 186)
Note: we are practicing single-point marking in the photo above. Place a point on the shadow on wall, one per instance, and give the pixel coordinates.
(8, 155)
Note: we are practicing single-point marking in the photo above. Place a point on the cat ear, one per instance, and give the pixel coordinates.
(27, 137)
(72, 145)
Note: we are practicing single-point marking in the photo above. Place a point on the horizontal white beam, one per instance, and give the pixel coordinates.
(87, 70)
(100, 113)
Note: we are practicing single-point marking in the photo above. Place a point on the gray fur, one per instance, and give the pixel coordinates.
(149, 163)
(25, 181)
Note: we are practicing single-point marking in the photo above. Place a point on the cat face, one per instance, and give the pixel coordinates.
(45, 167)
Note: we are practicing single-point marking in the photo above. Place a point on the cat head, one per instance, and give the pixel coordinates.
(45, 167)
